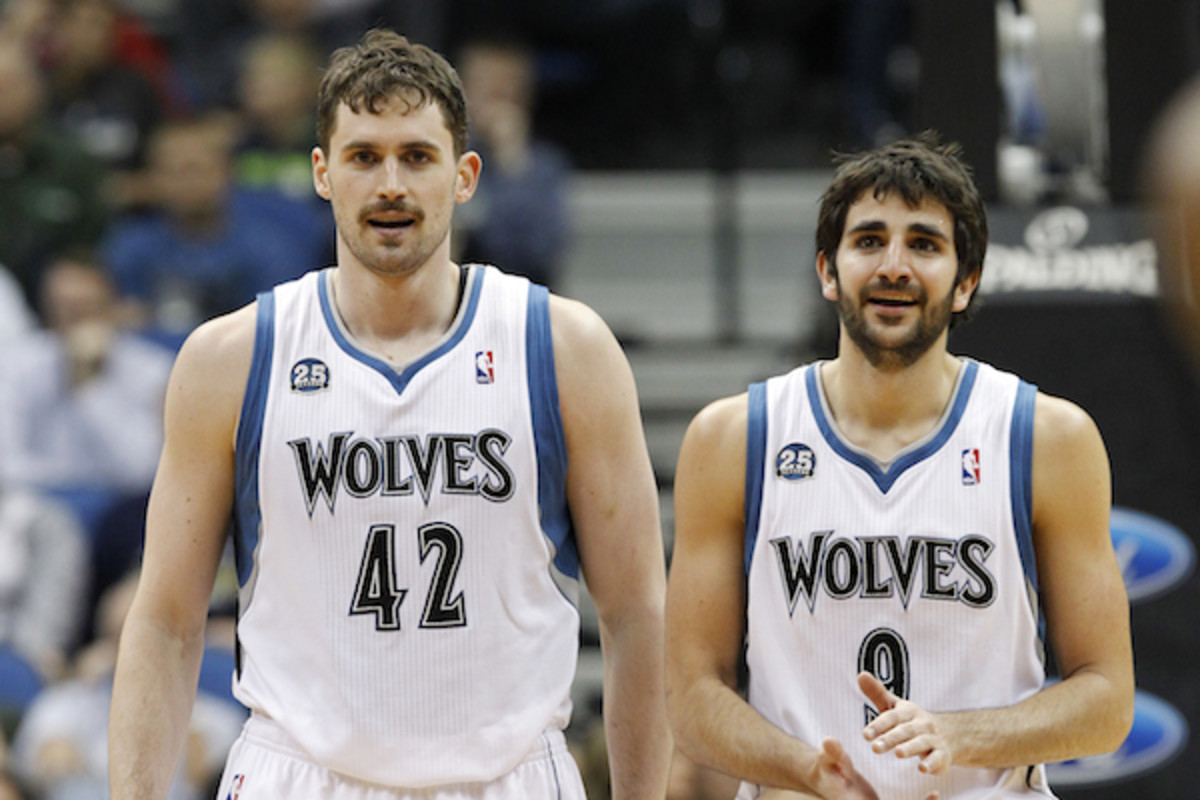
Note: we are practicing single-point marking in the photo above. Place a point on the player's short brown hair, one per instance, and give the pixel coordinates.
(385, 65)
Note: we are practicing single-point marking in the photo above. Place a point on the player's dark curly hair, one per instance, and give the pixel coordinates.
(917, 168)
(385, 65)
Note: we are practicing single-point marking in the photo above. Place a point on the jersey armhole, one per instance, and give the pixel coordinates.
(549, 439)
(756, 446)
(1020, 468)
(247, 517)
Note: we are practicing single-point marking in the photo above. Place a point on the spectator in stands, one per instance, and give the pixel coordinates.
(81, 402)
(107, 107)
(210, 245)
(26, 22)
(213, 36)
(61, 749)
(50, 189)
(16, 318)
(276, 88)
(43, 578)
(518, 217)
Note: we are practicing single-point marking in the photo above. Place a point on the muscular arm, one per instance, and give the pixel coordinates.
(1091, 709)
(187, 520)
(705, 620)
(614, 508)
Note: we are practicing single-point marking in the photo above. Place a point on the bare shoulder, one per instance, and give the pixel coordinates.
(710, 475)
(577, 328)
(595, 382)
(721, 425)
(1072, 484)
(223, 344)
(226, 339)
(211, 370)
(1061, 427)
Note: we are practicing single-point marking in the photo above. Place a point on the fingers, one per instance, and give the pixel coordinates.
(906, 730)
(918, 739)
(912, 738)
(833, 775)
(832, 749)
(899, 724)
(887, 726)
(876, 692)
(936, 762)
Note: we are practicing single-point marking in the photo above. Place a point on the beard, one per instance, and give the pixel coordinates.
(887, 355)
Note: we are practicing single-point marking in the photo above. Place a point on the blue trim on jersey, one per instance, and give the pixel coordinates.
(549, 439)
(886, 478)
(399, 380)
(1020, 476)
(247, 518)
(756, 451)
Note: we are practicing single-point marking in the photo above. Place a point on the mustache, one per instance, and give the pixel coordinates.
(401, 206)
(913, 291)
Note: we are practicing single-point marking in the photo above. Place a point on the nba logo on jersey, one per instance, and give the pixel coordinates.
(235, 787)
(970, 467)
(483, 367)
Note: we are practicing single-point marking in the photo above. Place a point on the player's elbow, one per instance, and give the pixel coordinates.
(1119, 719)
(690, 702)
(677, 691)
(683, 723)
(1113, 718)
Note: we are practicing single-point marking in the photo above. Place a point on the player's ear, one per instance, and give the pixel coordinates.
(827, 274)
(320, 168)
(966, 289)
(470, 165)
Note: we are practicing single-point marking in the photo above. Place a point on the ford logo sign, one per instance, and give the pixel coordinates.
(1159, 733)
(1154, 555)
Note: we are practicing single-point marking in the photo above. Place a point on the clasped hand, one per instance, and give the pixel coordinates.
(902, 727)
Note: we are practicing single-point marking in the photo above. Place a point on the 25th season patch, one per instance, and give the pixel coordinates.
(795, 462)
(310, 375)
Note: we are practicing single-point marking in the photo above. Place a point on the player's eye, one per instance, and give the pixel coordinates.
(418, 157)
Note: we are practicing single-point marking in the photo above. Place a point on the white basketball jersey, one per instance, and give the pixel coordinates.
(407, 570)
(920, 571)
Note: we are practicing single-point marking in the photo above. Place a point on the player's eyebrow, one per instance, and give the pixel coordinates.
(931, 231)
(922, 228)
(369, 144)
(868, 225)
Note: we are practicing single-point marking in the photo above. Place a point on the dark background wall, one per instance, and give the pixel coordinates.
(1111, 353)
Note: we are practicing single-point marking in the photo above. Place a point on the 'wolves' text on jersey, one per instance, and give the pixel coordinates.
(396, 465)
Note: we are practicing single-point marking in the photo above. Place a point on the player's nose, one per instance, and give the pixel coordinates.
(894, 263)
(393, 182)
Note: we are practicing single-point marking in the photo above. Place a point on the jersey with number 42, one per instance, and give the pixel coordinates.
(920, 571)
(406, 568)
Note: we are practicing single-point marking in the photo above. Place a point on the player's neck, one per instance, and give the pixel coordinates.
(884, 411)
(398, 317)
